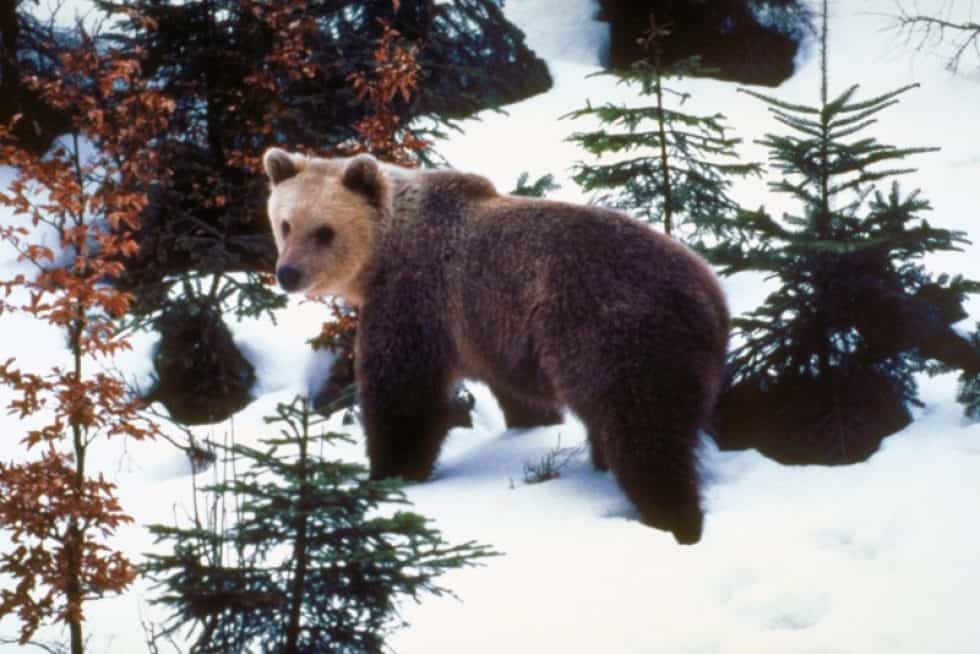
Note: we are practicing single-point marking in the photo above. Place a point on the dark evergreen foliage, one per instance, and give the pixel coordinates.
(200, 376)
(969, 392)
(539, 188)
(315, 557)
(750, 41)
(186, 233)
(246, 75)
(473, 59)
(28, 48)
(824, 367)
(666, 164)
(217, 60)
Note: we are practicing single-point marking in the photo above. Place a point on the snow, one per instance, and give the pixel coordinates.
(878, 557)
(875, 557)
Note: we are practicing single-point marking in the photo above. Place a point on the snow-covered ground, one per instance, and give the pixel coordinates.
(879, 557)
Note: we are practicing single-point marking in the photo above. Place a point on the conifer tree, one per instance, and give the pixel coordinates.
(315, 560)
(824, 368)
(668, 165)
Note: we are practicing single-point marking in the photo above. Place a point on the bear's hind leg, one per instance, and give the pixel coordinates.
(649, 440)
(652, 458)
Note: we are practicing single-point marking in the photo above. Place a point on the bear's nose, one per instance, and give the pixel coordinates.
(289, 277)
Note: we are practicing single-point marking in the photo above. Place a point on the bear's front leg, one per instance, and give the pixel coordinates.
(404, 389)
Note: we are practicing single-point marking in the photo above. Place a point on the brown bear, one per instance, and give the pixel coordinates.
(551, 304)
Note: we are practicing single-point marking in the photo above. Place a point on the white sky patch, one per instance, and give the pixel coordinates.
(67, 13)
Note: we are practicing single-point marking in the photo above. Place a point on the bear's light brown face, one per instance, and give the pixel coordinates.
(325, 215)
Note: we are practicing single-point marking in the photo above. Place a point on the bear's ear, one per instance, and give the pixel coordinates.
(363, 175)
(280, 165)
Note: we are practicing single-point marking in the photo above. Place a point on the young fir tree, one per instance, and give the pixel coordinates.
(824, 368)
(315, 560)
(668, 165)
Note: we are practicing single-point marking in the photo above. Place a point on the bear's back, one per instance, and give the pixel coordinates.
(509, 254)
(580, 255)
(493, 269)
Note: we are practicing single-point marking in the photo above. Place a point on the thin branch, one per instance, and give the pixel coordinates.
(50, 649)
(195, 451)
(931, 31)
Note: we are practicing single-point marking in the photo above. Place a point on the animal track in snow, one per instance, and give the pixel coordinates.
(795, 614)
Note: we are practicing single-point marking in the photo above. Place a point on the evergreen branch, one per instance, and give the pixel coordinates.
(836, 134)
(867, 177)
(811, 128)
(858, 117)
(881, 100)
(797, 190)
(776, 102)
(838, 104)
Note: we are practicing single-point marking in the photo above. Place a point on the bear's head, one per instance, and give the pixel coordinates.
(325, 215)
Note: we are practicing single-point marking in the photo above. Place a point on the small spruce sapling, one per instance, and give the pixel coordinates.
(315, 559)
(824, 367)
(668, 165)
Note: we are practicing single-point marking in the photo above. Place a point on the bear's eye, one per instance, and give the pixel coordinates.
(285, 228)
(323, 235)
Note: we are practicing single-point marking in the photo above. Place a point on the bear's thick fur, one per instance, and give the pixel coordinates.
(551, 304)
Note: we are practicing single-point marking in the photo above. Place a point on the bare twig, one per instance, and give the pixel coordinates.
(924, 31)
(153, 634)
(550, 466)
(50, 649)
(199, 453)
